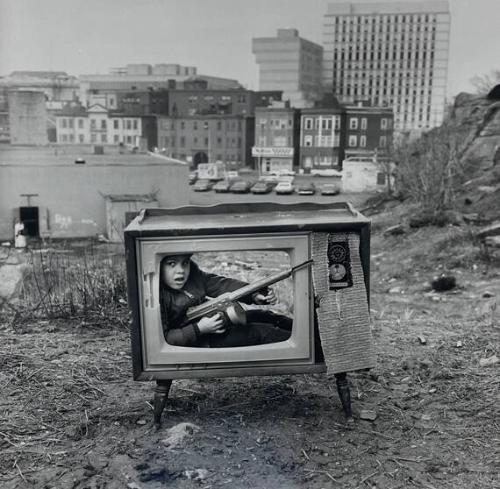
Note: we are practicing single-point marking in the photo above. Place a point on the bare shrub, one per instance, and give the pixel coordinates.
(63, 283)
(431, 170)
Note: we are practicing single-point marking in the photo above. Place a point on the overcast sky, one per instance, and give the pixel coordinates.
(90, 36)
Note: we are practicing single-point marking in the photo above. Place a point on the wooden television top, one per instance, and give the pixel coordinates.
(260, 217)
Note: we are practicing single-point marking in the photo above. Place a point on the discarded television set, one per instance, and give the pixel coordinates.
(314, 256)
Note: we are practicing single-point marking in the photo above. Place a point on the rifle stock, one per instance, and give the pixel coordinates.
(222, 302)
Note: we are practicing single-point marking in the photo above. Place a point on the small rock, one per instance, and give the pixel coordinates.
(432, 391)
(196, 474)
(422, 339)
(395, 230)
(459, 344)
(141, 422)
(444, 282)
(178, 433)
(395, 290)
(487, 362)
(368, 414)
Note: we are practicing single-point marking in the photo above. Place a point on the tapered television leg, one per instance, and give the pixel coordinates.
(160, 399)
(345, 395)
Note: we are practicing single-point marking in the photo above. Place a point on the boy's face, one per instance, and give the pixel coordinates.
(175, 271)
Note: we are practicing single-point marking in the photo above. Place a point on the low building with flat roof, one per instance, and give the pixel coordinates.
(70, 192)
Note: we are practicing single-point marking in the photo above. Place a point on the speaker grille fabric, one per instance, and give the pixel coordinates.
(343, 316)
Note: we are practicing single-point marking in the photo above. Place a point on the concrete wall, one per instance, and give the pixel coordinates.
(72, 197)
(361, 176)
(28, 118)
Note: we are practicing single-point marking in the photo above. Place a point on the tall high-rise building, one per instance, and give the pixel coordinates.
(392, 54)
(290, 63)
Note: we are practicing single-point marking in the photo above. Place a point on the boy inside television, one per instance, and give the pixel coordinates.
(183, 285)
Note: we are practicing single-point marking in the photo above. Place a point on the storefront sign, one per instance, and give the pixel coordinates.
(277, 152)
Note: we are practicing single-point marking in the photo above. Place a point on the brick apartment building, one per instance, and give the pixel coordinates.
(211, 125)
(368, 130)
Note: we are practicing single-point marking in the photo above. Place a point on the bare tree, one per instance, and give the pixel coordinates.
(484, 83)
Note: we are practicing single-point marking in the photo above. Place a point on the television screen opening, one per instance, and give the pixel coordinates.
(226, 299)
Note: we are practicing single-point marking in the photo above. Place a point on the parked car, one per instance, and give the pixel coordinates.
(193, 176)
(240, 187)
(222, 187)
(203, 185)
(330, 189)
(306, 189)
(285, 187)
(262, 187)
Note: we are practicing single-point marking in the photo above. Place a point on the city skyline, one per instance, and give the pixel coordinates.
(214, 36)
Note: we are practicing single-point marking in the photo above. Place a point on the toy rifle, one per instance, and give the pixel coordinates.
(226, 303)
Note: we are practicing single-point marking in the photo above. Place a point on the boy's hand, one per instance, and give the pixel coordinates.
(262, 299)
(213, 324)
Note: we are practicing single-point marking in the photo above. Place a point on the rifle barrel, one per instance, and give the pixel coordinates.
(206, 307)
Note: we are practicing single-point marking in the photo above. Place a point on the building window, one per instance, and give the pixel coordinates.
(383, 141)
(116, 124)
(362, 141)
(104, 138)
(205, 125)
(183, 125)
(279, 141)
(326, 124)
(182, 141)
(81, 138)
(381, 178)
(92, 138)
(195, 125)
(308, 123)
(383, 123)
(353, 141)
(219, 125)
(308, 140)
(80, 123)
(70, 123)
(129, 124)
(364, 123)
(64, 123)
(353, 123)
(103, 124)
(135, 124)
(116, 139)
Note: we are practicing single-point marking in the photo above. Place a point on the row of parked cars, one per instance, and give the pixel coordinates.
(283, 187)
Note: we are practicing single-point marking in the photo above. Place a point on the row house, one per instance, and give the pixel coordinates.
(368, 130)
(319, 139)
(276, 138)
(202, 139)
(97, 125)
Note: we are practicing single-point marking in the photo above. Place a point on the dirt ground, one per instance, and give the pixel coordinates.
(72, 417)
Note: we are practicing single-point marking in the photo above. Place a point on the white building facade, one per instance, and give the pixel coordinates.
(392, 54)
(97, 125)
